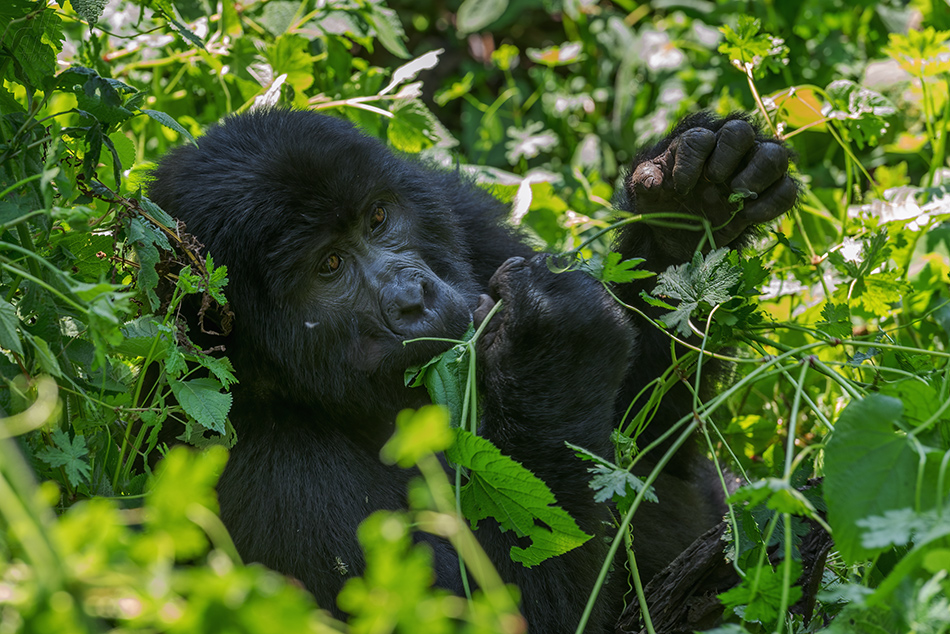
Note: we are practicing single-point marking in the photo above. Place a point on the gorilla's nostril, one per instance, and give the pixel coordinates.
(409, 300)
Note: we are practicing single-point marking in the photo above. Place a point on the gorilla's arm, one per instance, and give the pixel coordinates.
(556, 356)
(549, 366)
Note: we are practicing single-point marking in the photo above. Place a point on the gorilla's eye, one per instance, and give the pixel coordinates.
(378, 218)
(331, 265)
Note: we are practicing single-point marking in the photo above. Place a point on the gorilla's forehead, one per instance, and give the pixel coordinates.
(314, 164)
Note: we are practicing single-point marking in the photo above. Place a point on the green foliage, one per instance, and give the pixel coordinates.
(500, 488)
(612, 482)
(840, 365)
(446, 377)
(876, 443)
(751, 51)
(617, 272)
(67, 454)
(706, 280)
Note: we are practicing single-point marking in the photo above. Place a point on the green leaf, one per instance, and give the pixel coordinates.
(836, 320)
(34, 43)
(68, 455)
(761, 593)
(45, 357)
(121, 154)
(146, 239)
(612, 482)
(863, 111)
(897, 527)
(221, 368)
(445, 376)
(290, 55)
(183, 479)
(924, 52)
(169, 123)
(418, 433)
(414, 128)
(879, 291)
(475, 15)
(750, 50)
(9, 337)
(388, 28)
(870, 469)
(503, 489)
(777, 494)
(101, 97)
(157, 213)
(203, 400)
(621, 272)
(139, 339)
(182, 30)
(217, 280)
(278, 15)
(457, 90)
(754, 273)
(704, 280)
(921, 401)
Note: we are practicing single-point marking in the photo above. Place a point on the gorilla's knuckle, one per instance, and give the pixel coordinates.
(736, 137)
(772, 156)
(698, 140)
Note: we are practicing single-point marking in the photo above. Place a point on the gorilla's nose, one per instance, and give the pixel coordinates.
(406, 302)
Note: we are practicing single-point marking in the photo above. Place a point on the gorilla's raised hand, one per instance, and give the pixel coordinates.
(548, 322)
(698, 168)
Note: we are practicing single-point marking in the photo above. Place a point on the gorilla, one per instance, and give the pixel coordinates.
(339, 250)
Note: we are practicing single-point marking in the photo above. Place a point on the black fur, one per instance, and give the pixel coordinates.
(282, 196)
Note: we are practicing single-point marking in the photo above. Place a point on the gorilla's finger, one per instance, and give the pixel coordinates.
(499, 284)
(734, 140)
(691, 149)
(771, 203)
(769, 161)
(485, 304)
(648, 177)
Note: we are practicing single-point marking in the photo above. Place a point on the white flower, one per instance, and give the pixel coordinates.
(659, 52)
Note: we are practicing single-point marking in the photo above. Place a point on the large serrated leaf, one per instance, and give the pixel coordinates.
(414, 128)
(870, 469)
(622, 272)
(67, 454)
(501, 488)
(34, 43)
(203, 400)
(388, 29)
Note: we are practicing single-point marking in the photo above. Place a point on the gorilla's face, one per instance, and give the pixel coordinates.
(371, 285)
(349, 246)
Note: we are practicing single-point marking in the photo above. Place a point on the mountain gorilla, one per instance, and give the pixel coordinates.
(338, 251)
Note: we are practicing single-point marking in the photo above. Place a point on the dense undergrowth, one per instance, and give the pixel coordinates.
(841, 363)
